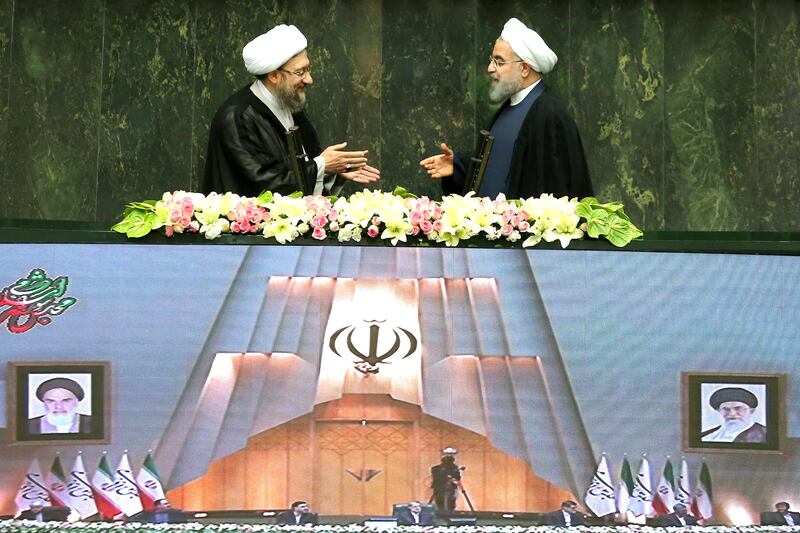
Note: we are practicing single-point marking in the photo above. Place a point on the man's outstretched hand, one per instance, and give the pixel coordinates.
(439, 166)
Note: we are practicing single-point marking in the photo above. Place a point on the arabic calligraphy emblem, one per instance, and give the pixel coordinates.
(33, 300)
(368, 363)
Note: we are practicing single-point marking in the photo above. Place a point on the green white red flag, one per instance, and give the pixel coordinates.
(664, 497)
(80, 490)
(104, 487)
(703, 497)
(625, 489)
(33, 488)
(57, 484)
(150, 487)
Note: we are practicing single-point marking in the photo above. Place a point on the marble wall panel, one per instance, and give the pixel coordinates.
(54, 108)
(428, 89)
(709, 85)
(146, 120)
(777, 116)
(7, 184)
(618, 94)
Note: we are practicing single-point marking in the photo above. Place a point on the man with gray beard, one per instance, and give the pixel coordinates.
(247, 147)
(537, 148)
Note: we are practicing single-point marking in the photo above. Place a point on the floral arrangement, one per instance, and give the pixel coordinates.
(26, 526)
(392, 217)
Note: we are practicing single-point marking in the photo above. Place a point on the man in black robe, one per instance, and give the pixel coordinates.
(537, 148)
(247, 147)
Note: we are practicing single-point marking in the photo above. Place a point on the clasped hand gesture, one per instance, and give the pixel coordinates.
(439, 166)
(349, 165)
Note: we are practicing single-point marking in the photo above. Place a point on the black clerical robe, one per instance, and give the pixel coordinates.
(548, 155)
(248, 151)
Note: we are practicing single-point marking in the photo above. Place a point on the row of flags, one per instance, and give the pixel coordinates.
(110, 492)
(637, 496)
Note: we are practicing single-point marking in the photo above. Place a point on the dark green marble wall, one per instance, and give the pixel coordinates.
(689, 110)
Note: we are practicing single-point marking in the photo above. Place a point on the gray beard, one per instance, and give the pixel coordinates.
(290, 98)
(503, 89)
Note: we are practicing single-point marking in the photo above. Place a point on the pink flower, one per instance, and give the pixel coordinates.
(184, 221)
(373, 230)
(416, 217)
(194, 226)
(524, 225)
(175, 214)
(334, 226)
(507, 230)
(169, 231)
(426, 226)
(319, 222)
(414, 229)
(437, 226)
(333, 215)
(437, 213)
(244, 227)
(376, 221)
(235, 227)
(318, 233)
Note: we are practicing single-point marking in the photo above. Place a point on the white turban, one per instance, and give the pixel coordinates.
(269, 51)
(529, 46)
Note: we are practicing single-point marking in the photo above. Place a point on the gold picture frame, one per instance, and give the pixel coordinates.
(734, 412)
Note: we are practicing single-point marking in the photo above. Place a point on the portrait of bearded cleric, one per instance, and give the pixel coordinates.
(741, 412)
(58, 401)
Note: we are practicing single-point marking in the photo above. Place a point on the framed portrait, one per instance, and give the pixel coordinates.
(58, 402)
(733, 412)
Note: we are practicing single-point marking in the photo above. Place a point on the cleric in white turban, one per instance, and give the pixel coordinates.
(247, 145)
(537, 148)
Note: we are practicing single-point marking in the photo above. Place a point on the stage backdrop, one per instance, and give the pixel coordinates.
(109, 101)
(552, 356)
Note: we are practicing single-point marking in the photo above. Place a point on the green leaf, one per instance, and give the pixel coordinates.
(621, 232)
(584, 210)
(597, 223)
(265, 197)
(333, 199)
(298, 194)
(402, 192)
(137, 223)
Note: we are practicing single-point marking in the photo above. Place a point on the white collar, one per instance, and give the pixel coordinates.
(520, 96)
(281, 112)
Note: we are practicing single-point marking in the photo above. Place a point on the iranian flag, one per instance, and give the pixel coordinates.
(703, 497)
(127, 491)
(80, 490)
(684, 492)
(150, 487)
(104, 488)
(625, 489)
(664, 498)
(57, 485)
(641, 502)
(33, 488)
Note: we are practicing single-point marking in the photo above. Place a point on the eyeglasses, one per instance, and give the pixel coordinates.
(299, 73)
(499, 62)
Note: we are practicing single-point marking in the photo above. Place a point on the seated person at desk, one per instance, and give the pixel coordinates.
(299, 514)
(163, 513)
(680, 517)
(414, 515)
(781, 517)
(567, 516)
(39, 513)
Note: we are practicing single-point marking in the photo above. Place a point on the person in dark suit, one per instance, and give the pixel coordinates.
(679, 517)
(781, 517)
(163, 513)
(567, 516)
(415, 515)
(299, 514)
(445, 480)
(39, 513)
